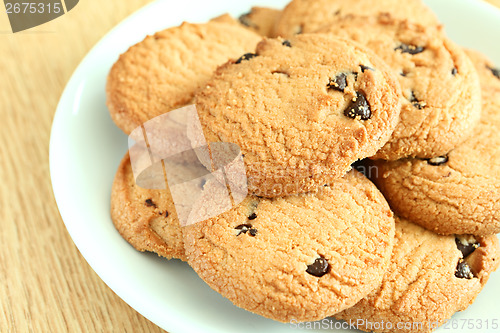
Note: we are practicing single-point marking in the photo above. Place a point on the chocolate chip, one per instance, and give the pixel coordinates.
(437, 160)
(319, 268)
(339, 83)
(245, 20)
(252, 217)
(411, 49)
(415, 102)
(246, 56)
(364, 68)
(359, 108)
(466, 248)
(244, 228)
(166, 214)
(286, 43)
(463, 271)
(454, 71)
(495, 71)
(150, 203)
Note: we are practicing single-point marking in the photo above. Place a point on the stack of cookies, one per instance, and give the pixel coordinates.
(310, 95)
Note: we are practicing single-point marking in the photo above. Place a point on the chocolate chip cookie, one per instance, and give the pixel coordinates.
(303, 16)
(429, 278)
(300, 257)
(162, 72)
(301, 110)
(147, 218)
(441, 94)
(457, 193)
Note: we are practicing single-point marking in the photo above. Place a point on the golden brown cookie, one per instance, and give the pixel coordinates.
(301, 257)
(146, 218)
(162, 72)
(261, 20)
(441, 100)
(429, 278)
(303, 16)
(301, 110)
(458, 193)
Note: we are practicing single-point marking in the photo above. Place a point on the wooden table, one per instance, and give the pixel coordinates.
(45, 284)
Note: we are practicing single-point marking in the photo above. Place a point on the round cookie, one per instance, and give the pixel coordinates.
(303, 16)
(441, 100)
(147, 218)
(301, 110)
(454, 194)
(427, 281)
(162, 72)
(489, 74)
(261, 20)
(300, 257)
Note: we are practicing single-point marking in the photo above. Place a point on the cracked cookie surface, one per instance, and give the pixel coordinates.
(424, 283)
(441, 94)
(300, 257)
(162, 72)
(301, 110)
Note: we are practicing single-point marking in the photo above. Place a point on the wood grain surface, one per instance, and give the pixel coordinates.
(45, 284)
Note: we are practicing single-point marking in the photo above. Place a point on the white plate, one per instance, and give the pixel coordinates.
(86, 148)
